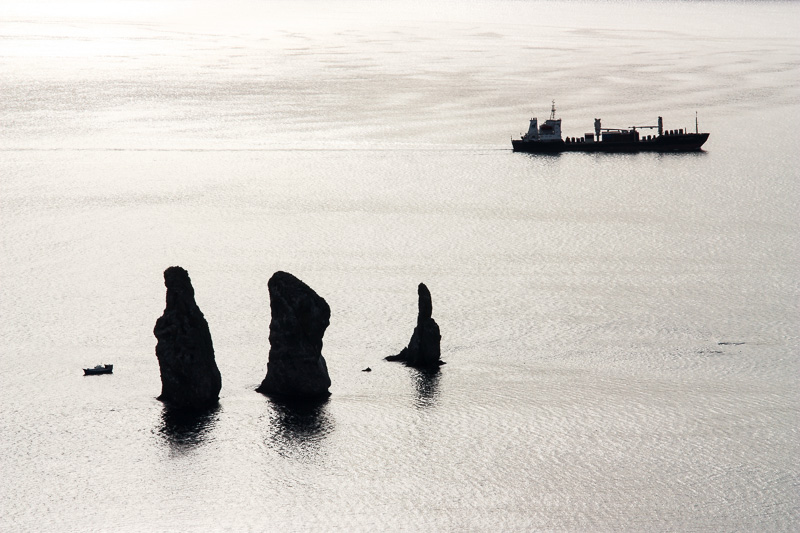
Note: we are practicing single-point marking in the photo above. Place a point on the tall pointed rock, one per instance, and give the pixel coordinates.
(189, 374)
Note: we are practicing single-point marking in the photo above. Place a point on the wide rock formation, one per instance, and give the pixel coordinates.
(296, 368)
(423, 350)
(189, 374)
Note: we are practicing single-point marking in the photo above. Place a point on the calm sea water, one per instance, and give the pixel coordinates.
(621, 331)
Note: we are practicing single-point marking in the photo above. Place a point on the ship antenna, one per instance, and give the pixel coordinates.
(553, 111)
(695, 123)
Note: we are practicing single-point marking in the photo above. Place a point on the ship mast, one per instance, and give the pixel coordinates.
(553, 111)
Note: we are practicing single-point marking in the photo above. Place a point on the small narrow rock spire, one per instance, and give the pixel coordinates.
(423, 350)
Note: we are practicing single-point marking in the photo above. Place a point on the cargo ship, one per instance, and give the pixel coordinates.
(546, 138)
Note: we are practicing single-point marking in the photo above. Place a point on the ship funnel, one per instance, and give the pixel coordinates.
(533, 130)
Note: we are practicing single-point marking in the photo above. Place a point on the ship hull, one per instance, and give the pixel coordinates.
(687, 142)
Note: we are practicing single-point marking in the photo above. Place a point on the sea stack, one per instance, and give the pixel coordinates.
(189, 375)
(296, 368)
(423, 350)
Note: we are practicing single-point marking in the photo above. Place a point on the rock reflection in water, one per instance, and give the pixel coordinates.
(298, 427)
(183, 428)
(427, 385)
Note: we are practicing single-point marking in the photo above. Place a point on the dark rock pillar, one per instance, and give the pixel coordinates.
(423, 350)
(296, 368)
(189, 374)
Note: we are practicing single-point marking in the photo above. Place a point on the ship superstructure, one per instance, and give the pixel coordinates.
(550, 131)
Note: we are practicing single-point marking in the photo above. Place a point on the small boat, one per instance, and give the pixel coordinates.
(546, 138)
(99, 369)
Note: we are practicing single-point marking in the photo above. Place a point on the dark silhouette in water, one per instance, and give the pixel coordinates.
(190, 378)
(423, 350)
(184, 428)
(296, 368)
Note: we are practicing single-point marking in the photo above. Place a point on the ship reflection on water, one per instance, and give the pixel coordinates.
(297, 428)
(184, 429)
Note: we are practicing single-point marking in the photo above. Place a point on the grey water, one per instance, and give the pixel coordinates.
(620, 331)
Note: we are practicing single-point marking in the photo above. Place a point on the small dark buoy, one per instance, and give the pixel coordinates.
(368, 369)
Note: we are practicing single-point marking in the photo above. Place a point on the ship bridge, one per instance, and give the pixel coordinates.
(548, 132)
